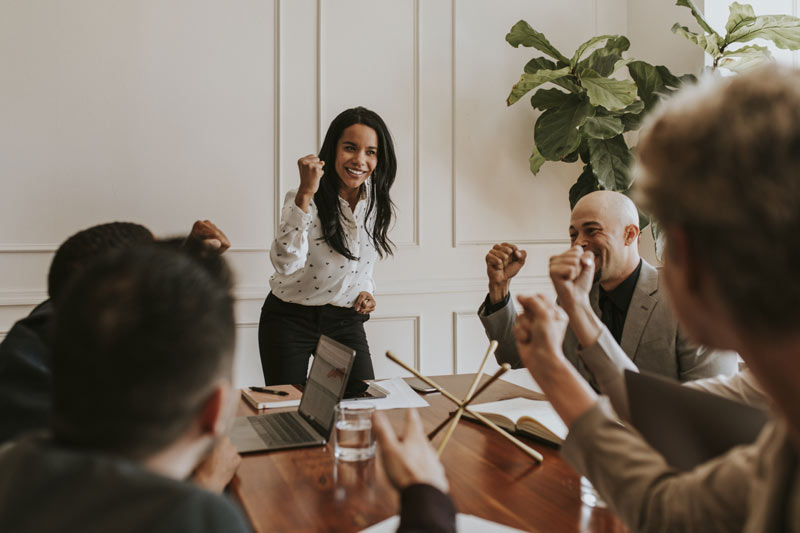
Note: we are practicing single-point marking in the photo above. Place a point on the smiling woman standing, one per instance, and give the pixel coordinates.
(333, 229)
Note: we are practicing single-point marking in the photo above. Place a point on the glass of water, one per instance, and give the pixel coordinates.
(353, 438)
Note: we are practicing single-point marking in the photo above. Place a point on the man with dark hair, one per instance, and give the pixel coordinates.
(25, 355)
(143, 351)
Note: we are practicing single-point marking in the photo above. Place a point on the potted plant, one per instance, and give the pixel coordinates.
(586, 110)
(743, 26)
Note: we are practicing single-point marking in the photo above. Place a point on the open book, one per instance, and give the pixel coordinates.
(536, 418)
(263, 400)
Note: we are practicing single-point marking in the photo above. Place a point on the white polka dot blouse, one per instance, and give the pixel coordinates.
(307, 270)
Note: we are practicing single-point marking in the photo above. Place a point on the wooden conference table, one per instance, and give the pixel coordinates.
(308, 490)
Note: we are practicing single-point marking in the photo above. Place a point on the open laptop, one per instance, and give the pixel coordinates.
(311, 424)
(688, 426)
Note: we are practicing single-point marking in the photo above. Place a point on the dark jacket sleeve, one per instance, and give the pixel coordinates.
(499, 326)
(425, 508)
(26, 374)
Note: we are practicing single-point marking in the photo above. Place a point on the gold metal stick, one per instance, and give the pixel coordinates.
(521, 445)
(500, 371)
(467, 398)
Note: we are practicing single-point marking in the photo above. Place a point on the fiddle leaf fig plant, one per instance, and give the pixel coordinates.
(588, 107)
(743, 26)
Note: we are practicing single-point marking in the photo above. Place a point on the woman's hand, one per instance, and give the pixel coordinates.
(365, 303)
(311, 172)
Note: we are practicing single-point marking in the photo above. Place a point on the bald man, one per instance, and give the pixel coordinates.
(625, 293)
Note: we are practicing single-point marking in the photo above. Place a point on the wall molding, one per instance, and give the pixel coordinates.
(48, 248)
(457, 315)
(277, 66)
(386, 288)
(526, 242)
(22, 298)
(453, 199)
(238, 325)
(417, 287)
(321, 125)
(417, 321)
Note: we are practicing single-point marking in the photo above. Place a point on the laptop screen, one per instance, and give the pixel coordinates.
(688, 426)
(326, 383)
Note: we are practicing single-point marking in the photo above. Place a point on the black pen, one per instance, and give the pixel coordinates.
(269, 391)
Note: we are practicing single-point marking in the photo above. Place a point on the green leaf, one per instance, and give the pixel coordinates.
(648, 82)
(544, 99)
(668, 78)
(611, 161)
(605, 60)
(536, 160)
(698, 17)
(744, 58)
(602, 127)
(740, 15)
(583, 151)
(587, 182)
(658, 238)
(619, 64)
(556, 131)
(531, 81)
(618, 45)
(708, 43)
(541, 63)
(585, 46)
(608, 92)
(631, 121)
(522, 34)
(571, 157)
(782, 30)
(635, 108)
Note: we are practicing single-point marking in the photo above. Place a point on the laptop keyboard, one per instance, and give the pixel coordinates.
(281, 428)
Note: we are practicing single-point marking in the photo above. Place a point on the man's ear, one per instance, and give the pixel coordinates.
(214, 414)
(631, 234)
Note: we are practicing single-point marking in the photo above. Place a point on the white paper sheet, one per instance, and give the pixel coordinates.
(465, 523)
(400, 396)
(522, 378)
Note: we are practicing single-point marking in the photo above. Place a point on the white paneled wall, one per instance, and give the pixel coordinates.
(165, 112)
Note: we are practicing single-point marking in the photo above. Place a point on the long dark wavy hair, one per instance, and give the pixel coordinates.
(327, 196)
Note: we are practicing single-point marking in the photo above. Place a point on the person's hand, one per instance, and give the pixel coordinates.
(503, 262)
(365, 303)
(572, 274)
(409, 458)
(209, 236)
(219, 467)
(539, 331)
(311, 172)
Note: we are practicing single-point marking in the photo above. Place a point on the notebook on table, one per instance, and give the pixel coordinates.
(311, 423)
(532, 418)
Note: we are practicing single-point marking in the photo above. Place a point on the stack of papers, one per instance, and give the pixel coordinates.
(522, 378)
(400, 396)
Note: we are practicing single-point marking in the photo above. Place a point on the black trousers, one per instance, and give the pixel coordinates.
(288, 335)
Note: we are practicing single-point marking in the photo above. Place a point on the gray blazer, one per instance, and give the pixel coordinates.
(650, 336)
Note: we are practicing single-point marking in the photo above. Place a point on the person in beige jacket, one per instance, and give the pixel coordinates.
(720, 168)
